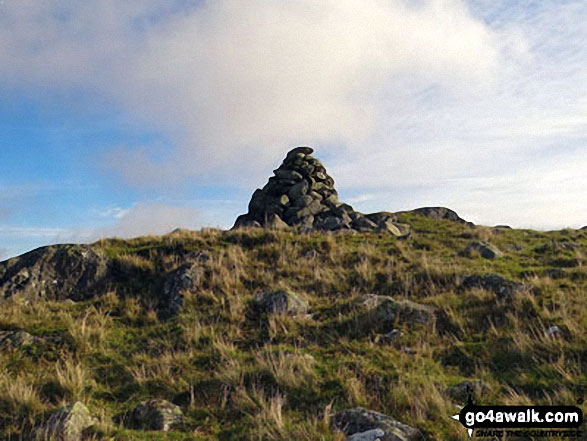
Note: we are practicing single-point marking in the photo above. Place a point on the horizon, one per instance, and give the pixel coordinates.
(139, 118)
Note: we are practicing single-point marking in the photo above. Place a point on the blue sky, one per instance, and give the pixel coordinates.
(129, 118)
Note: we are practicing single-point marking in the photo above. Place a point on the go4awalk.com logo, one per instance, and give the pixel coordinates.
(524, 421)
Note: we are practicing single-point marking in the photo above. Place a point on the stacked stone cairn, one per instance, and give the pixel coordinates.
(301, 193)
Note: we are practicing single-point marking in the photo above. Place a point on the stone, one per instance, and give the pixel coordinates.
(439, 213)
(397, 229)
(184, 279)
(281, 302)
(303, 201)
(369, 435)
(315, 195)
(382, 313)
(243, 221)
(57, 272)
(302, 150)
(298, 190)
(332, 223)
(289, 175)
(388, 338)
(67, 424)
(381, 217)
(361, 421)
(363, 224)
(553, 332)
(257, 200)
(274, 222)
(502, 288)
(302, 194)
(155, 415)
(460, 392)
(16, 339)
(485, 250)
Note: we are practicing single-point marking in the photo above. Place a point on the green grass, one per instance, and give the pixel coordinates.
(239, 376)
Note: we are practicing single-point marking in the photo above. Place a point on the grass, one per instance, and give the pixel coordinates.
(241, 376)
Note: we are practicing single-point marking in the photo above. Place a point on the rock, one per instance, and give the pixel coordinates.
(302, 150)
(553, 332)
(155, 415)
(332, 223)
(401, 231)
(302, 194)
(298, 190)
(369, 435)
(361, 421)
(180, 232)
(16, 339)
(383, 312)
(388, 338)
(502, 288)
(487, 251)
(244, 222)
(66, 424)
(56, 272)
(303, 201)
(184, 279)
(439, 213)
(288, 175)
(281, 302)
(363, 224)
(275, 223)
(460, 392)
(382, 217)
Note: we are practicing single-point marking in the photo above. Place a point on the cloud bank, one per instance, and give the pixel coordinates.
(143, 218)
(482, 105)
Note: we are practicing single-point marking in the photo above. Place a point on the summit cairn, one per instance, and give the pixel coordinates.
(301, 193)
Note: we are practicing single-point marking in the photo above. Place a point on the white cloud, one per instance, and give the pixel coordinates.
(453, 101)
(141, 219)
(229, 82)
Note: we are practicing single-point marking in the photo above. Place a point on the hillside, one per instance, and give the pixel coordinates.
(238, 373)
(307, 321)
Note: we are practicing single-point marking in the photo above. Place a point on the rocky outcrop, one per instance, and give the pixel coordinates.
(502, 288)
(155, 415)
(184, 279)
(439, 213)
(66, 424)
(16, 339)
(460, 392)
(363, 424)
(301, 193)
(280, 302)
(369, 435)
(483, 249)
(55, 272)
(382, 313)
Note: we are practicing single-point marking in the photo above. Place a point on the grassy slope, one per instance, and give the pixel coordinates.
(241, 377)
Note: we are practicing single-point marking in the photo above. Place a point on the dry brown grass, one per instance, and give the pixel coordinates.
(290, 369)
(75, 377)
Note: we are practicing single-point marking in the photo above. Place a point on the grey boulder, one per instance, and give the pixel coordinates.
(281, 302)
(364, 424)
(155, 415)
(484, 249)
(502, 288)
(66, 424)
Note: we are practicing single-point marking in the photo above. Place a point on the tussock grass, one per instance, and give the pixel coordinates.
(243, 376)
